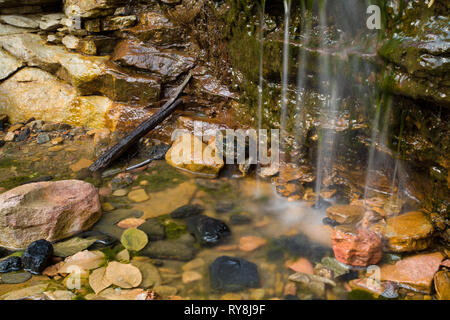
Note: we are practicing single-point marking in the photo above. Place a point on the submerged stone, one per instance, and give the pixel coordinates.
(187, 211)
(345, 214)
(208, 231)
(169, 249)
(232, 274)
(37, 256)
(10, 264)
(154, 230)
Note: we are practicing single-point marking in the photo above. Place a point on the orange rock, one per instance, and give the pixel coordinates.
(52, 271)
(250, 243)
(300, 265)
(81, 164)
(227, 247)
(414, 271)
(290, 289)
(130, 223)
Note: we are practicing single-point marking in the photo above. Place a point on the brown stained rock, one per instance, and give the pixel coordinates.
(442, 284)
(414, 272)
(167, 64)
(345, 214)
(47, 210)
(411, 231)
(356, 247)
(251, 243)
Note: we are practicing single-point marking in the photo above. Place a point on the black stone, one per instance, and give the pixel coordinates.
(187, 211)
(233, 274)
(330, 222)
(10, 264)
(23, 135)
(206, 230)
(321, 204)
(300, 245)
(291, 297)
(3, 252)
(154, 230)
(37, 256)
(2, 143)
(239, 219)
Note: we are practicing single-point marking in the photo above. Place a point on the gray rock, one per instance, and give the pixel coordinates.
(51, 22)
(169, 249)
(43, 138)
(19, 21)
(153, 229)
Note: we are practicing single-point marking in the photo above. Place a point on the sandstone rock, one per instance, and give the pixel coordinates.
(138, 195)
(191, 276)
(167, 64)
(89, 74)
(81, 45)
(345, 214)
(80, 165)
(19, 21)
(118, 22)
(189, 153)
(356, 247)
(6, 29)
(51, 22)
(90, 9)
(155, 28)
(47, 210)
(442, 285)
(410, 231)
(415, 272)
(8, 64)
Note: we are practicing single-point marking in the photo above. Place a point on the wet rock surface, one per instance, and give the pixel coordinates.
(37, 256)
(356, 247)
(233, 274)
(208, 231)
(187, 211)
(345, 214)
(410, 231)
(10, 264)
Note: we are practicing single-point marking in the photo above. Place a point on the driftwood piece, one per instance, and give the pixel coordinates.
(107, 158)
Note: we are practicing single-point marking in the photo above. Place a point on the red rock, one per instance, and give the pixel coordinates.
(446, 263)
(414, 271)
(356, 247)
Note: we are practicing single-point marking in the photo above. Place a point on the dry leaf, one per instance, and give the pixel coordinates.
(123, 275)
(134, 239)
(130, 223)
(123, 256)
(119, 294)
(86, 260)
(98, 281)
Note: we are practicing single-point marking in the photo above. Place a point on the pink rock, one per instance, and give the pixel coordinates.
(356, 247)
(414, 271)
(47, 210)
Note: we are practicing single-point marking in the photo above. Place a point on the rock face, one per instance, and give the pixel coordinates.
(359, 247)
(410, 231)
(345, 214)
(90, 9)
(47, 210)
(414, 272)
(233, 274)
(189, 153)
(442, 284)
(208, 231)
(167, 64)
(8, 64)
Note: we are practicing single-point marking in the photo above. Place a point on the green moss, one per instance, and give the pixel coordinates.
(174, 230)
(7, 162)
(14, 182)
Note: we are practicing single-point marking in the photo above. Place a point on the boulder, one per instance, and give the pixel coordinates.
(233, 274)
(356, 247)
(345, 214)
(47, 210)
(8, 64)
(167, 64)
(414, 272)
(189, 153)
(411, 231)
